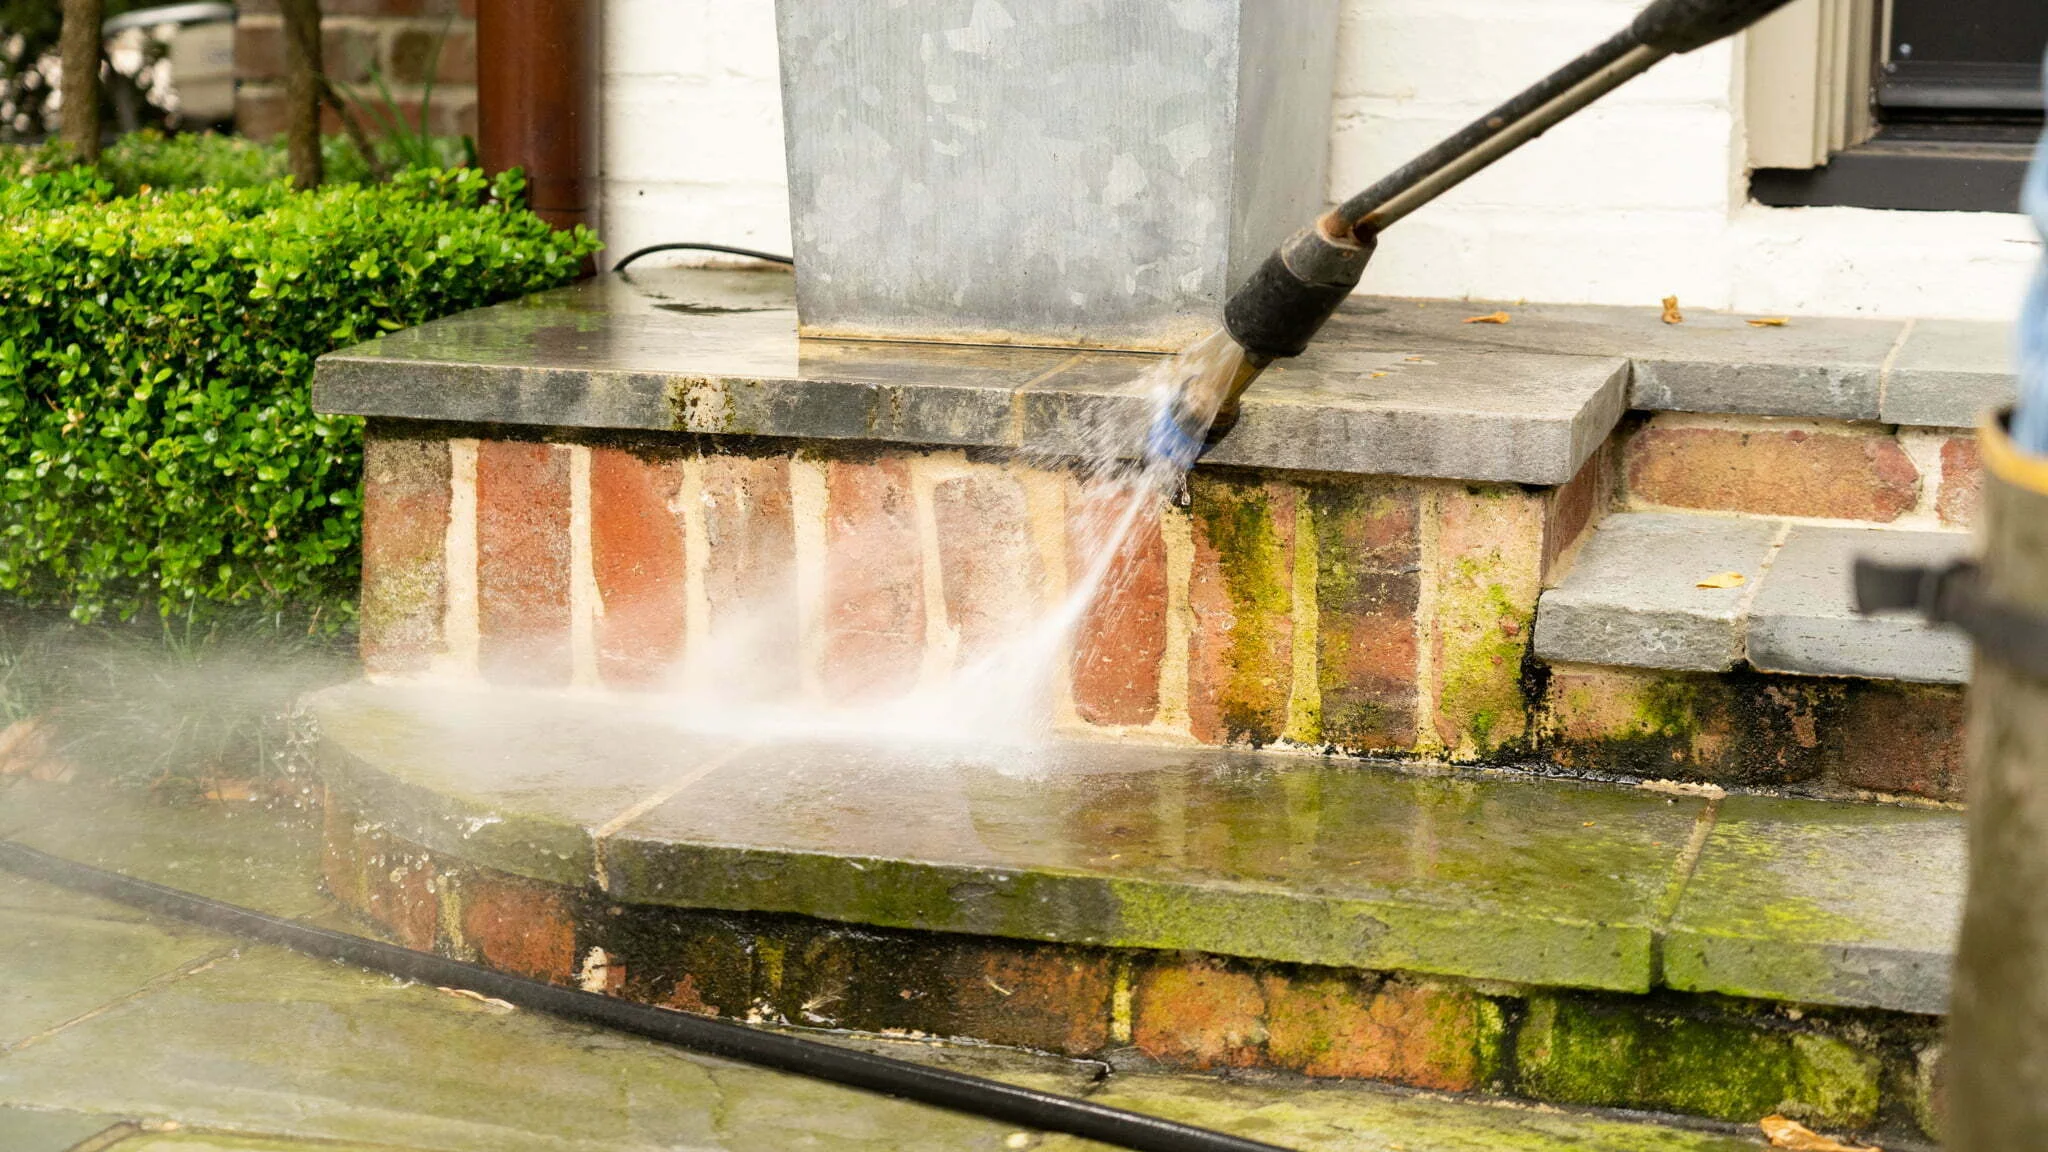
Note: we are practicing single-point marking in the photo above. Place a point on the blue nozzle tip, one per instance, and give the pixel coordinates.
(1169, 443)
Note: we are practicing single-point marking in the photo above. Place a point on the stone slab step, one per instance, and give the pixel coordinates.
(1633, 599)
(1266, 857)
(324, 1057)
(1938, 373)
(716, 352)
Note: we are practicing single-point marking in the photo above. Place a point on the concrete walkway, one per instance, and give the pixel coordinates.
(120, 1032)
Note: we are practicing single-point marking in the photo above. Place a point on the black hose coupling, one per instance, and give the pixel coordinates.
(1286, 302)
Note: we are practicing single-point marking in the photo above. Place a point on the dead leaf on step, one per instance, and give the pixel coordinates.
(1798, 1137)
(1492, 318)
(1377, 375)
(490, 1002)
(1671, 313)
(1722, 580)
(1769, 322)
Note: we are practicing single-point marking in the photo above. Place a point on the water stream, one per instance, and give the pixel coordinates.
(1006, 695)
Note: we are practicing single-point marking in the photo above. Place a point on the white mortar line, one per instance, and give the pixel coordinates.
(688, 503)
(1045, 515)
(459, 627)
(1178, 531)
(1305, 694)
(808, 509)
(941, 638)
(1891, 359)
(585, 602)
(655, 799)
(1429, 506)
(1923, 447)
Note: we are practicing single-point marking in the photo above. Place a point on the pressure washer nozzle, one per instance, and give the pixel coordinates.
(1170, 445)
(1196, 399)
(1275, 314)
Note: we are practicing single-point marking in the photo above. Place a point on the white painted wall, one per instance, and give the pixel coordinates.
(1641, 197)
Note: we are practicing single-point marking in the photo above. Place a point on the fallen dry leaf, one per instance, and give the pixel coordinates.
(1683, 788)
(1377, 375)
(491, 1002)
(1722, 580)
(1769, 322)
(1492, 318)
(1791, 1134)
(1671, 313)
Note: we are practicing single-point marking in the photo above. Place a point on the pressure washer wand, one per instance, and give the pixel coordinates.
(1287, 300)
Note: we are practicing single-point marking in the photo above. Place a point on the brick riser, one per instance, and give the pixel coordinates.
(1362, 614)
(1812, 735)
(1865, 1071)
(1877, 474)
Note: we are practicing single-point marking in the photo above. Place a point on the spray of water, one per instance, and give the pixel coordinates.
(1131, 461)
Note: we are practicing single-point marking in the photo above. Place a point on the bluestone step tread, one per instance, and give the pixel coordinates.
(717, 352)
(1631, 599)
(1805, 619)
(1949, 372)
(1481, 875)
(1822, 903)
(1634, 595)
(1943, 373)
(269, 1052)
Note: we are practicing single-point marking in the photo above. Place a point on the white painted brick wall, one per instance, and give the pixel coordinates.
(1640, 198)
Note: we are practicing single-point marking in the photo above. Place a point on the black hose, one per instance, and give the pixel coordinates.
(693, 246)
(971, 1095)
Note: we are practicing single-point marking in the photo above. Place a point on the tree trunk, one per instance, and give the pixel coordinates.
(303, 90)
(79, 48)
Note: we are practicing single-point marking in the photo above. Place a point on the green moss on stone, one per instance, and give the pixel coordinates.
(1573, 1052)
(1481, 675)
(1238, 521)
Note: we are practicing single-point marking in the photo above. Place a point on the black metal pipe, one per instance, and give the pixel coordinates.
(972, 1095)
(1289, 298)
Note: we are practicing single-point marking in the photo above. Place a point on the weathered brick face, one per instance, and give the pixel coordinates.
(749, 565)
(874, 581)
(1487, 570)
(517, 925)
(1849, 472)
(1818, 735)
(1121, 639)
(636, 551)
(1368, 585)
(987, 567)
(1241, 656)
(405, 525)
(1355, 613)
(522, 570)
(1962, 482)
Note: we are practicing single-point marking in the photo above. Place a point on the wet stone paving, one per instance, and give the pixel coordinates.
(118, 1031)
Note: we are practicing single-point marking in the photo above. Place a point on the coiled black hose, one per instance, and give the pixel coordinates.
(953, 1091)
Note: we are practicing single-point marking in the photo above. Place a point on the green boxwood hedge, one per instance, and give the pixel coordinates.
(158, 451)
